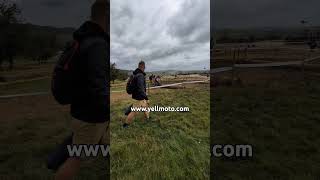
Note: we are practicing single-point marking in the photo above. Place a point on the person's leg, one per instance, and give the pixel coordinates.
(144, 104)
(68, 170)
(147, 115)
(83, 133)
(106, 134)
(71, 166)
(130, 117)
(106, 141)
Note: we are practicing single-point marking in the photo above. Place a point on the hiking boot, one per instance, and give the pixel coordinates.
(125, 125)
(148, 119)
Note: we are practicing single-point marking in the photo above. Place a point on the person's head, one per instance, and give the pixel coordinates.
(142, 66)
(100, 13)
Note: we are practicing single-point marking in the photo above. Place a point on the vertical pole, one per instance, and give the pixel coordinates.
(303, 71)
(246, 54)
(233, 65)
(238, 58)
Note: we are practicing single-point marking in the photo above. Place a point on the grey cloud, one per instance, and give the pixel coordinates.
(200, 64)
(155, 31)
(125, 12)
(170, 51)
(191, 23)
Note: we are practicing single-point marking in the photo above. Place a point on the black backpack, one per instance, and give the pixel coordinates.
(131, 84)
(61, 84)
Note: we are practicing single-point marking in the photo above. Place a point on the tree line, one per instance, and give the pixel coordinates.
(19, 40)
(117, 74)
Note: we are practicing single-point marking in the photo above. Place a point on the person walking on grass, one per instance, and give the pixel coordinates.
(90, 100)
(138, 82)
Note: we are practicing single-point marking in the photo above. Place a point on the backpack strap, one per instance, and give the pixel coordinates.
(75, 47)
(89, 41)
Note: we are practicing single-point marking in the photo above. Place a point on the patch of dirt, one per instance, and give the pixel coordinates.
(119, 96)
(29, 107)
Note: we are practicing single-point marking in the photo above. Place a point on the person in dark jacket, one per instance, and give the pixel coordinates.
(139, 94)
(150, 80)
(91, 93)
(90, 101)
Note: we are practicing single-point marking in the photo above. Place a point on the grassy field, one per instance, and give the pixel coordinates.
(172, 146)
(277, 113)
(227, 54)
(31, 127)
(26, 78)
(40, 85)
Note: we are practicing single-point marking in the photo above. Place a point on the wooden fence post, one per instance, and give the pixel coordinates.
(238, 58)
(303, 71)
(246, 54)
(233, 66)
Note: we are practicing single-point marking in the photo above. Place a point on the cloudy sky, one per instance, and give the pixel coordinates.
(166, 34)
(262, 13)
(171, 34)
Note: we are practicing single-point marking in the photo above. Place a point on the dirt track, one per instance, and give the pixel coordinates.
(29, 107)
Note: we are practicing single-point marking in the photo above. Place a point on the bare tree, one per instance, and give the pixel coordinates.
(9, 14)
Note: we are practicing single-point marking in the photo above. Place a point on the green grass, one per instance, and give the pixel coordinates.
(42, 85)
(173, 146)
(26, 143)
(279, 118)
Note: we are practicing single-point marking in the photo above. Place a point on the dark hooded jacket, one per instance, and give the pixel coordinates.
(90, 100)
(140, 91)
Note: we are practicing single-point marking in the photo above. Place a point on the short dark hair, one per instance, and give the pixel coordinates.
(99, 9)
(142, 63)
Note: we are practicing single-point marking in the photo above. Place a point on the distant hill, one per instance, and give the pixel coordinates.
(49, 28)
(33, 41)
(63, 34)
(174, 72)
(125, 71)
(256, 34)
(168, 72)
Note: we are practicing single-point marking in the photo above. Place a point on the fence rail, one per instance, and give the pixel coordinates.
(47, 93)
(213, 71)
(261, 65)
